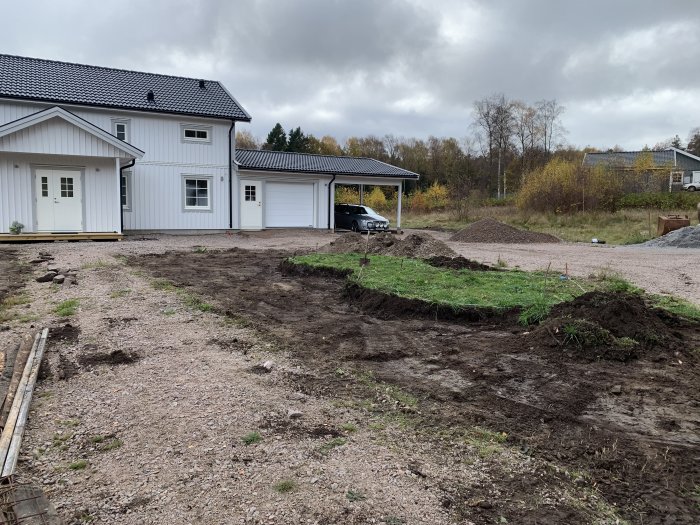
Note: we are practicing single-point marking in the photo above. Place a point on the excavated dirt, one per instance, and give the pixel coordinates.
(415, 245)
(10, 274)
(458, 263)
(629, 430)
(491, 230)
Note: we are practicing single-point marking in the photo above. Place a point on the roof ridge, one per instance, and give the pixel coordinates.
(105, 67)
(315, 155)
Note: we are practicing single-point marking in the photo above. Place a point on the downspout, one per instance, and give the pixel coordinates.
(330, 185)
(121, 208)
(231, 146)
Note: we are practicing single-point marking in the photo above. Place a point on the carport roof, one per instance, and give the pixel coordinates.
(265, 160)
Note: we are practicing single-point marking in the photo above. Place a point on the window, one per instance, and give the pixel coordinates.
(191, 133)
(120, 129)
(44, 186)
(250, 193)
(676, 176)
(125, 190)
(66, 186)
(197, 193)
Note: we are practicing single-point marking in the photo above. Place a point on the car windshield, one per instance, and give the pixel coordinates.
(366, 210)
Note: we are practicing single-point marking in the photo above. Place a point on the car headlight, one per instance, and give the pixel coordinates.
(370, 224)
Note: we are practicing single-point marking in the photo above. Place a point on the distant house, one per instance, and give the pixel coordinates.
(680, 165)
(86, 149)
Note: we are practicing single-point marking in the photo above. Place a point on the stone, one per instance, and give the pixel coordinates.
(617, 390)
(268, 365)
(46, 278)
(59, 279)
(294, 414)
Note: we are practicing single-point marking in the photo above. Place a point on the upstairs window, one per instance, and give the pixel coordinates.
(120, 129)
(200, 134)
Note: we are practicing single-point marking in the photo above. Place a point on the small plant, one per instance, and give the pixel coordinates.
(349, 427)
(200, 249)
(330, 445)
(163, 284)
(120, 293)
(285, 486)
(500, 263)
(97, 439)
(169, 311)
(251, 438)
(78, 465)
(112, 444)
(70, 422)
(67, 308)
(355, 495)
(16, 227)
(534, 314)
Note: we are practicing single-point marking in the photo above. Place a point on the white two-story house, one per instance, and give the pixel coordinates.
(87, 149)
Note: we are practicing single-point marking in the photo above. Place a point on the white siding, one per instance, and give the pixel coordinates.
(58, 137)
(100, 190)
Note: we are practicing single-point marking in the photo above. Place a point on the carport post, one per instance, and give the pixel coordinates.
(362, 194)
(398, 207)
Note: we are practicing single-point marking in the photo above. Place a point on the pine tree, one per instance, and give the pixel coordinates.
(276, 139)
(298, 142)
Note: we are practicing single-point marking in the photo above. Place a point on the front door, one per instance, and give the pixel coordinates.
(251, 205)
(59, 203)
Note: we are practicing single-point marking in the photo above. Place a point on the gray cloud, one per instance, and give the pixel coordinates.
(625, 70)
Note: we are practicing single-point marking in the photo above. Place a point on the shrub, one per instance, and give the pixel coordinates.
(437, 197)
(376, 199)
(566, 187)
(661, 200)
(347, 194)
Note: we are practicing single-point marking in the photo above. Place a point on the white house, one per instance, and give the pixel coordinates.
(87, 149)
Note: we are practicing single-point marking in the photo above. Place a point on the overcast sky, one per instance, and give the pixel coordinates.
(627, 71)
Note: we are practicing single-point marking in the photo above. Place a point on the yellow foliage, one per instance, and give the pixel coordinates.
(376, 199)
(347, 194)
(437, 197)
(563, 187)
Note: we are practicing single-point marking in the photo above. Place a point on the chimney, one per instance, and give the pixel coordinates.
(150, 96)
(202, 85)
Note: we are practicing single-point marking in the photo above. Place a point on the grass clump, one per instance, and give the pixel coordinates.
(349, 427)
(67, 308)
(677, 306)
(78, 465)
(285, 486)
(355, 495)
(119, 293)
(112, 444)
(332, 444)
(251, 438)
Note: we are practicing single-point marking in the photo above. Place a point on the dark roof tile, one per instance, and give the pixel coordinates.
(64, 82)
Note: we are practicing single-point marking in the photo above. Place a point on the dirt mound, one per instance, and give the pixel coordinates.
(491, 230)
(610, 326)
(415, 245)
(458, 263)
(688, 237)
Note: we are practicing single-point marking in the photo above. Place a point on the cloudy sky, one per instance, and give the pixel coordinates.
(627, 71)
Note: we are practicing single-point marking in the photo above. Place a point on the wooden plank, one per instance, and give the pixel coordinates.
(16, 375)
(8, 468)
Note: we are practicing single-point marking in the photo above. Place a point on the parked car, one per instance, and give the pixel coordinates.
(691, 186)
(359, 218)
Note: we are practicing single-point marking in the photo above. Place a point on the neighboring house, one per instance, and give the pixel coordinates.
(678, 164)
(93, 149)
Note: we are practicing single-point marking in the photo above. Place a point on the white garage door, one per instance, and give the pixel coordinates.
(289, 205)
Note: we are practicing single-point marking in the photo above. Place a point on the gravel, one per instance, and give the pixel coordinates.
(491, 230)
(688, 237)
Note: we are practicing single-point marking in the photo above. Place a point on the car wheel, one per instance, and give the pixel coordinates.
(691, 188)
(355, 226)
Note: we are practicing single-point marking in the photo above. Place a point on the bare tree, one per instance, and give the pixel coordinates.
(550, 127)
(525, 131)
(494, 116)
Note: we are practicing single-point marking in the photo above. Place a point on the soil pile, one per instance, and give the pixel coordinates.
(688, 237)
(491, 230)
(415, 245)
(610, 326)
(459, 263)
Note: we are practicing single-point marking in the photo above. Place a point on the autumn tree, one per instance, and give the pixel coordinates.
(694, 142)
(246, 140)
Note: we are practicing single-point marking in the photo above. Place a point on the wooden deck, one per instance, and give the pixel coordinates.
(49, 237)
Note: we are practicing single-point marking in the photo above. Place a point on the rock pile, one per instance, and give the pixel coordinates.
(54, 274)
(491, 230)
(688, 237)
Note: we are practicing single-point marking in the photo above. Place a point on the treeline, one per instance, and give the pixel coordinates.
(508, 140)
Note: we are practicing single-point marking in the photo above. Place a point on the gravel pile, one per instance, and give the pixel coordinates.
(491, 230)
(688, 237)
(415, 245)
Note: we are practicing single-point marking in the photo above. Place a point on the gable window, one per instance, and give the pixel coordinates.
(120, 129)
(125, 190)
(200, 134)
(197, 192)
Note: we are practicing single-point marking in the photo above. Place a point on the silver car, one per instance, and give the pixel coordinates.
(359, 218)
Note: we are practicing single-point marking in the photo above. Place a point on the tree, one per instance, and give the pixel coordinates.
(673, 142)
(297, 141)
(548, 118)
(276, 139)
(694, 142)
(494, 115)
(246, 140)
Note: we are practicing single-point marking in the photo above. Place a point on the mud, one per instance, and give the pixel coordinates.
(92, 357)
(632, 428)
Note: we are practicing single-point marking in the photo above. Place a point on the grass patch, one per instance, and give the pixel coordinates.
(355, 495)
(415, 279)
(112, 444)
(163, 285)
(98, 264)
(349, 427)
(332, 444)
(677, 306)
(67, 308)
(71, 423)
(78, 465)
(251, 438)
(285, 486)
(97, 439)
(10, 302)
(190, 300)
(119, 293)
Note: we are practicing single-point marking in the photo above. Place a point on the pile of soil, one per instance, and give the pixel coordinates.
(415, 245)
(688, 237)
(610, 326)
(459, 263)
(491, 230)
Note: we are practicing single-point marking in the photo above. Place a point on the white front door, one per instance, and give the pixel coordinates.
(59, 202)
(251, 205)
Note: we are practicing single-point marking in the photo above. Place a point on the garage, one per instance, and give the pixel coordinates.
(289, 205)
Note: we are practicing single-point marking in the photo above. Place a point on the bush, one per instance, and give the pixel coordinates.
(347, 194)
(566, 187)
(661, 201)
(437, 197)
(376, 199)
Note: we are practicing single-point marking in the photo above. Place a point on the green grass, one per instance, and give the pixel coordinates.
(78, 465)
(67, 308)
(8, 304)
(677, 306)
(251, 438)
(285, 486)
(349, 427)
(355, 495)
(416, 279)
(112, 444)
(119, 293)
(332, 444)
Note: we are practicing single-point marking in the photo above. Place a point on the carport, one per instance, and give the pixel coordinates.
(277, 189)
